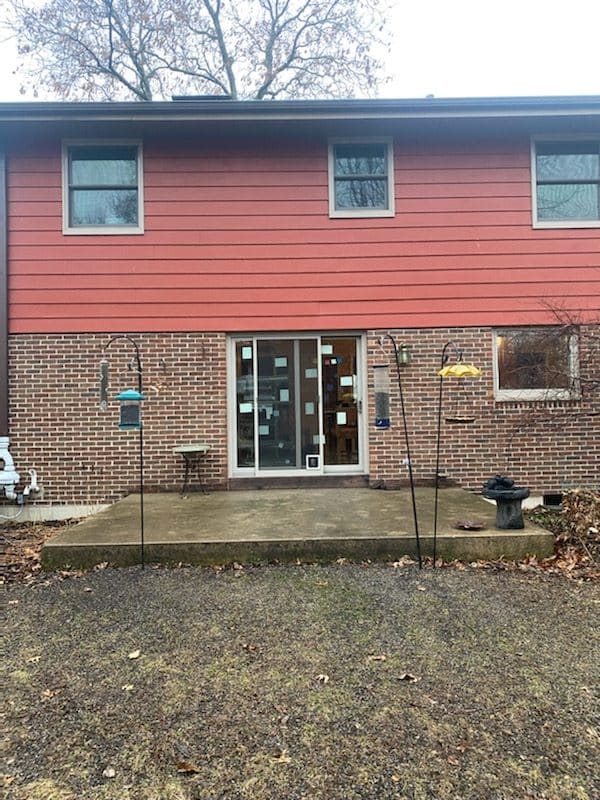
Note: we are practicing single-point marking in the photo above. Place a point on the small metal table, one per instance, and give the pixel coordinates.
(192, 455)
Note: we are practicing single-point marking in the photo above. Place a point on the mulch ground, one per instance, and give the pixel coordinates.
(339, 682)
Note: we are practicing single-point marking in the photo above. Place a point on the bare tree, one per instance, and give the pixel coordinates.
(145, 49)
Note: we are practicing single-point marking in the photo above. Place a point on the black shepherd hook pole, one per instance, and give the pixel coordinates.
(406, 438)
(444, 361)
(140, 390)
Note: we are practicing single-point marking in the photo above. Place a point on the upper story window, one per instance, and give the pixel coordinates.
(102, 188)
(361, 178)
(566, 183)
(535, 364)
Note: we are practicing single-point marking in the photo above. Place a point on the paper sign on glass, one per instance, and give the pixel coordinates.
(281, 361)
(245, 408)
(246, 353)
(327, 349)
(309, 409)
(263, 430)
(346, 380)
(341, 417)
(311, 372)
(318, 439)
(284, 395)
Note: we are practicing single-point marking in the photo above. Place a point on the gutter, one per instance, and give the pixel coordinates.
(3, 299)
(257, 110)
(9, 478)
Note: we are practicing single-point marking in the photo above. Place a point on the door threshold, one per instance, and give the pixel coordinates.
(300, 482)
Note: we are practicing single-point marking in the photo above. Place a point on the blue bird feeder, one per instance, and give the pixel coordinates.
(131, 410)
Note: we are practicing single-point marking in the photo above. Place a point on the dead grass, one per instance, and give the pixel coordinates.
(344, 682)
(445, 685)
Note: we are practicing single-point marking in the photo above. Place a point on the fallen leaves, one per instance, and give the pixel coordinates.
(593, 734)
(469, 525)
(49, 693)
(22, 547)
(282, 757)
(576, 527)
(408, 677)
(187, 768)
(404, 561)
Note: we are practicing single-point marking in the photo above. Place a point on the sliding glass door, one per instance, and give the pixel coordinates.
(297, 405)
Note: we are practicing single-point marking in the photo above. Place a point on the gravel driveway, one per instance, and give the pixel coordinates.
(338, 682)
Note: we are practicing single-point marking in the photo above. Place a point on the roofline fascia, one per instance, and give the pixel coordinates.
(318, 110)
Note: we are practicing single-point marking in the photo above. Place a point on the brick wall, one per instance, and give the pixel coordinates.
(57, 428)
(547, 446)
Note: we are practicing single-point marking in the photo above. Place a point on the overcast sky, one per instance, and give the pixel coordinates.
(471, 48)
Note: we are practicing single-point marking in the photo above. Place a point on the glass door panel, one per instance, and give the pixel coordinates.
(244, 389)
(340, 400)
(276, 407)
(297, 404)
(308, 404)
(287, 403)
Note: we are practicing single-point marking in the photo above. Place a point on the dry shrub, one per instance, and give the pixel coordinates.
(576, 527)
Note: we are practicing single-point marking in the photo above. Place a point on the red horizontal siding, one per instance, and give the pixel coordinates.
(455, 316)
(317, 310)
(192, 278)
(242, 241)
(183, 297)
(364, 257)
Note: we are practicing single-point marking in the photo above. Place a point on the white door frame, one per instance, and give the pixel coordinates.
(343, 469)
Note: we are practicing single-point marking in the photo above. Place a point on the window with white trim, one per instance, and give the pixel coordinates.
(361, 178)
(535, 364)
(566, 183)
(102, 187)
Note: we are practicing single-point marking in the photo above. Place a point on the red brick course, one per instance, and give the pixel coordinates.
(57, 427)
(547, 446)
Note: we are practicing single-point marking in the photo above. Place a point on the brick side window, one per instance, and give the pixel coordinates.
(566, 177)
(535, 364)
(361, 179)
(102, 188)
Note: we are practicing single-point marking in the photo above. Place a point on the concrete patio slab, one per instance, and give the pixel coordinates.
(286, 525)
